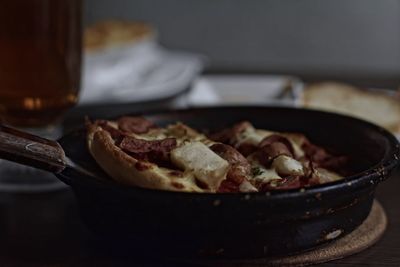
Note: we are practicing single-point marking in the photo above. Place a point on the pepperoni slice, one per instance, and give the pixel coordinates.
(115, 133)
(228, 135)
(156, 151)
(323, 159)
(228, 186)
(138, 125)
(268, 153)
(277, 138)
(134, 145)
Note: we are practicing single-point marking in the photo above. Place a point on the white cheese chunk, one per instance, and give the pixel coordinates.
(265, 175)
(285, 165)
(246, 186)
(206, 166)
(298, 151)
(252, 136)
(297, 140)
(326, 176)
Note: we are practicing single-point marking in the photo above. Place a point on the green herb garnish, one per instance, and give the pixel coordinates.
(256, 171)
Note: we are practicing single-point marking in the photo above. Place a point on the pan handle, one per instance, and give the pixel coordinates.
(31, 150)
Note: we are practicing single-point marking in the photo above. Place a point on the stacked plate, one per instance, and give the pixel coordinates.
(123, 63)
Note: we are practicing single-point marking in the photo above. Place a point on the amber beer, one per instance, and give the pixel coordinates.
(40, 58)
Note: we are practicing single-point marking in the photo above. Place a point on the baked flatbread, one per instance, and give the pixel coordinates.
(134, 151)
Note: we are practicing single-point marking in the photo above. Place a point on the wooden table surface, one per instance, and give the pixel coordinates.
(45, 230)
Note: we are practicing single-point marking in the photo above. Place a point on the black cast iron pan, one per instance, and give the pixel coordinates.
(222, 225)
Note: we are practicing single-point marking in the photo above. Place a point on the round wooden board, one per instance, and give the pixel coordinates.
(363, 237)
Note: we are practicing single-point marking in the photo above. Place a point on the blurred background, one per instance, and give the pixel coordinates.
(356, 40)
(246, 52)
(341, 56)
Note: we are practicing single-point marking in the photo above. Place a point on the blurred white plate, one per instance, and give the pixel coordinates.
(245, 89)
(141, 73)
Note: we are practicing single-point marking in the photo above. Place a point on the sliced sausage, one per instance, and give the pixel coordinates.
(269, 152)
(135, 145)
(321, 158)
(156, 151)
(246, 149)
(138, 125)
(115, 133)
(277, 138)
(228, 135)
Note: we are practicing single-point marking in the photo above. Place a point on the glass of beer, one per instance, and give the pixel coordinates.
(40, 66)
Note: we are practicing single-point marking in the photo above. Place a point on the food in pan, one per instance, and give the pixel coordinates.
(135, 151)
(377, 106)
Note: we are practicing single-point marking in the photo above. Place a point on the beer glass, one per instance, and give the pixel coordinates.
(40, 60)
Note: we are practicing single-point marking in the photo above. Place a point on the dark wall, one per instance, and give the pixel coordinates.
(344, 37)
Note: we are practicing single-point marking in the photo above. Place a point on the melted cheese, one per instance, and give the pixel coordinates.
(267, 175)
(153, 134)
(255, 136)
(251, 136)
(326, 176)
(206, 166)
(297, 140)
(285, 165)
(184, 133)
(246, 186)
(262, 174)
